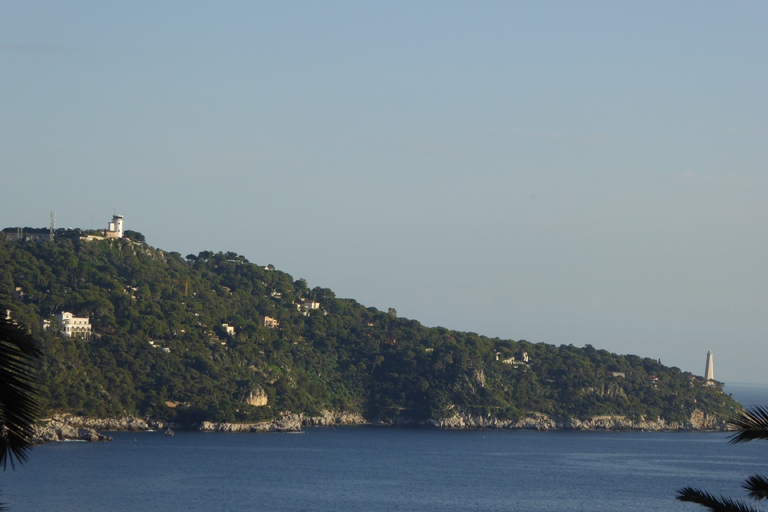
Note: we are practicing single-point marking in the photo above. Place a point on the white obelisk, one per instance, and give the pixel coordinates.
(709, 371)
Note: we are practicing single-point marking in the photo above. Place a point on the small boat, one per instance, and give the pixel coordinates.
(169, 432)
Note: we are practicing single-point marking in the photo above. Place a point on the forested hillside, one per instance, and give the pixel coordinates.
(160, 347)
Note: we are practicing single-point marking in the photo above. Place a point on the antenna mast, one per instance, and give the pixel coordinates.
(53, 224)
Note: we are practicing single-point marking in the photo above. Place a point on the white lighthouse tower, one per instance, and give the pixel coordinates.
(709, 371)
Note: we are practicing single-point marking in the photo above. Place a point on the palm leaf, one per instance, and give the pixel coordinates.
(713, 503)
(18, 405)
(757, 485)
(752, 423)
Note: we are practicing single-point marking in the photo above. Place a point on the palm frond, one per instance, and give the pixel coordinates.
(18, 405)
(712, 502)
(757, 485)
(752, 423)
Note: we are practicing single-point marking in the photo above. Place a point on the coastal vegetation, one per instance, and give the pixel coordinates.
(215, 337)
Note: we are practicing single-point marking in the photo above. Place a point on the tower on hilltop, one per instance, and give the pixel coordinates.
(117, 220)
(709, 371)
(115, 227)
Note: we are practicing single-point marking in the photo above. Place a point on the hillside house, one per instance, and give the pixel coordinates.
(271, 323)
(74, 326)
(21, 236)
(18, 293)
(307, 305)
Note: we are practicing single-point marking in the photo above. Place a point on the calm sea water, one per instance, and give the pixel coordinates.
(748, 394)
(381, 469)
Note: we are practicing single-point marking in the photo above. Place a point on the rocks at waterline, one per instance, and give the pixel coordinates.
(62, 427)
(129, 423)
(56, 431)
(65, 427)
(463, 419)
(333, 418)
(286, 423)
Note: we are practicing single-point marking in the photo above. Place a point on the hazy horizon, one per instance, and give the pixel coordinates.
(590, 173)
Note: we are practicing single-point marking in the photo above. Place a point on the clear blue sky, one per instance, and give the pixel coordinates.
(566, 172)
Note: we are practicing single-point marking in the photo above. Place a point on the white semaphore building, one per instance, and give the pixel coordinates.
(115, 228)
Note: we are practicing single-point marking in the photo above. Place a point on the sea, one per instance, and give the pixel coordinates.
(382, 469)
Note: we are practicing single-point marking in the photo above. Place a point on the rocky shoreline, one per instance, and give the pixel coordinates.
(67, 427)
(57, 430)
(699, 421)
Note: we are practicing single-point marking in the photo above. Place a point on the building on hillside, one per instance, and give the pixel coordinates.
(114, 228)
(230, 329)
(74, 326)
(18, 293)
(21, 236)
(32, 234)
(271, 323)
(307, 305)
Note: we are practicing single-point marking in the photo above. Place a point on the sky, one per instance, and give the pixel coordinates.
(560, 172)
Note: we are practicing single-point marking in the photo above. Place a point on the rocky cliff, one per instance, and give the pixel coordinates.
(57, 430)
(286, 423)
(66, 427)
(129, 423)
(699, 421)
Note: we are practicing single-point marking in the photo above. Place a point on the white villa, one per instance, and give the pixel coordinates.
(74, 326)
(307, 305)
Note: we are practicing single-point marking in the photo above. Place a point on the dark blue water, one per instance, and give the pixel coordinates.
(748, 394)
(381, 469)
